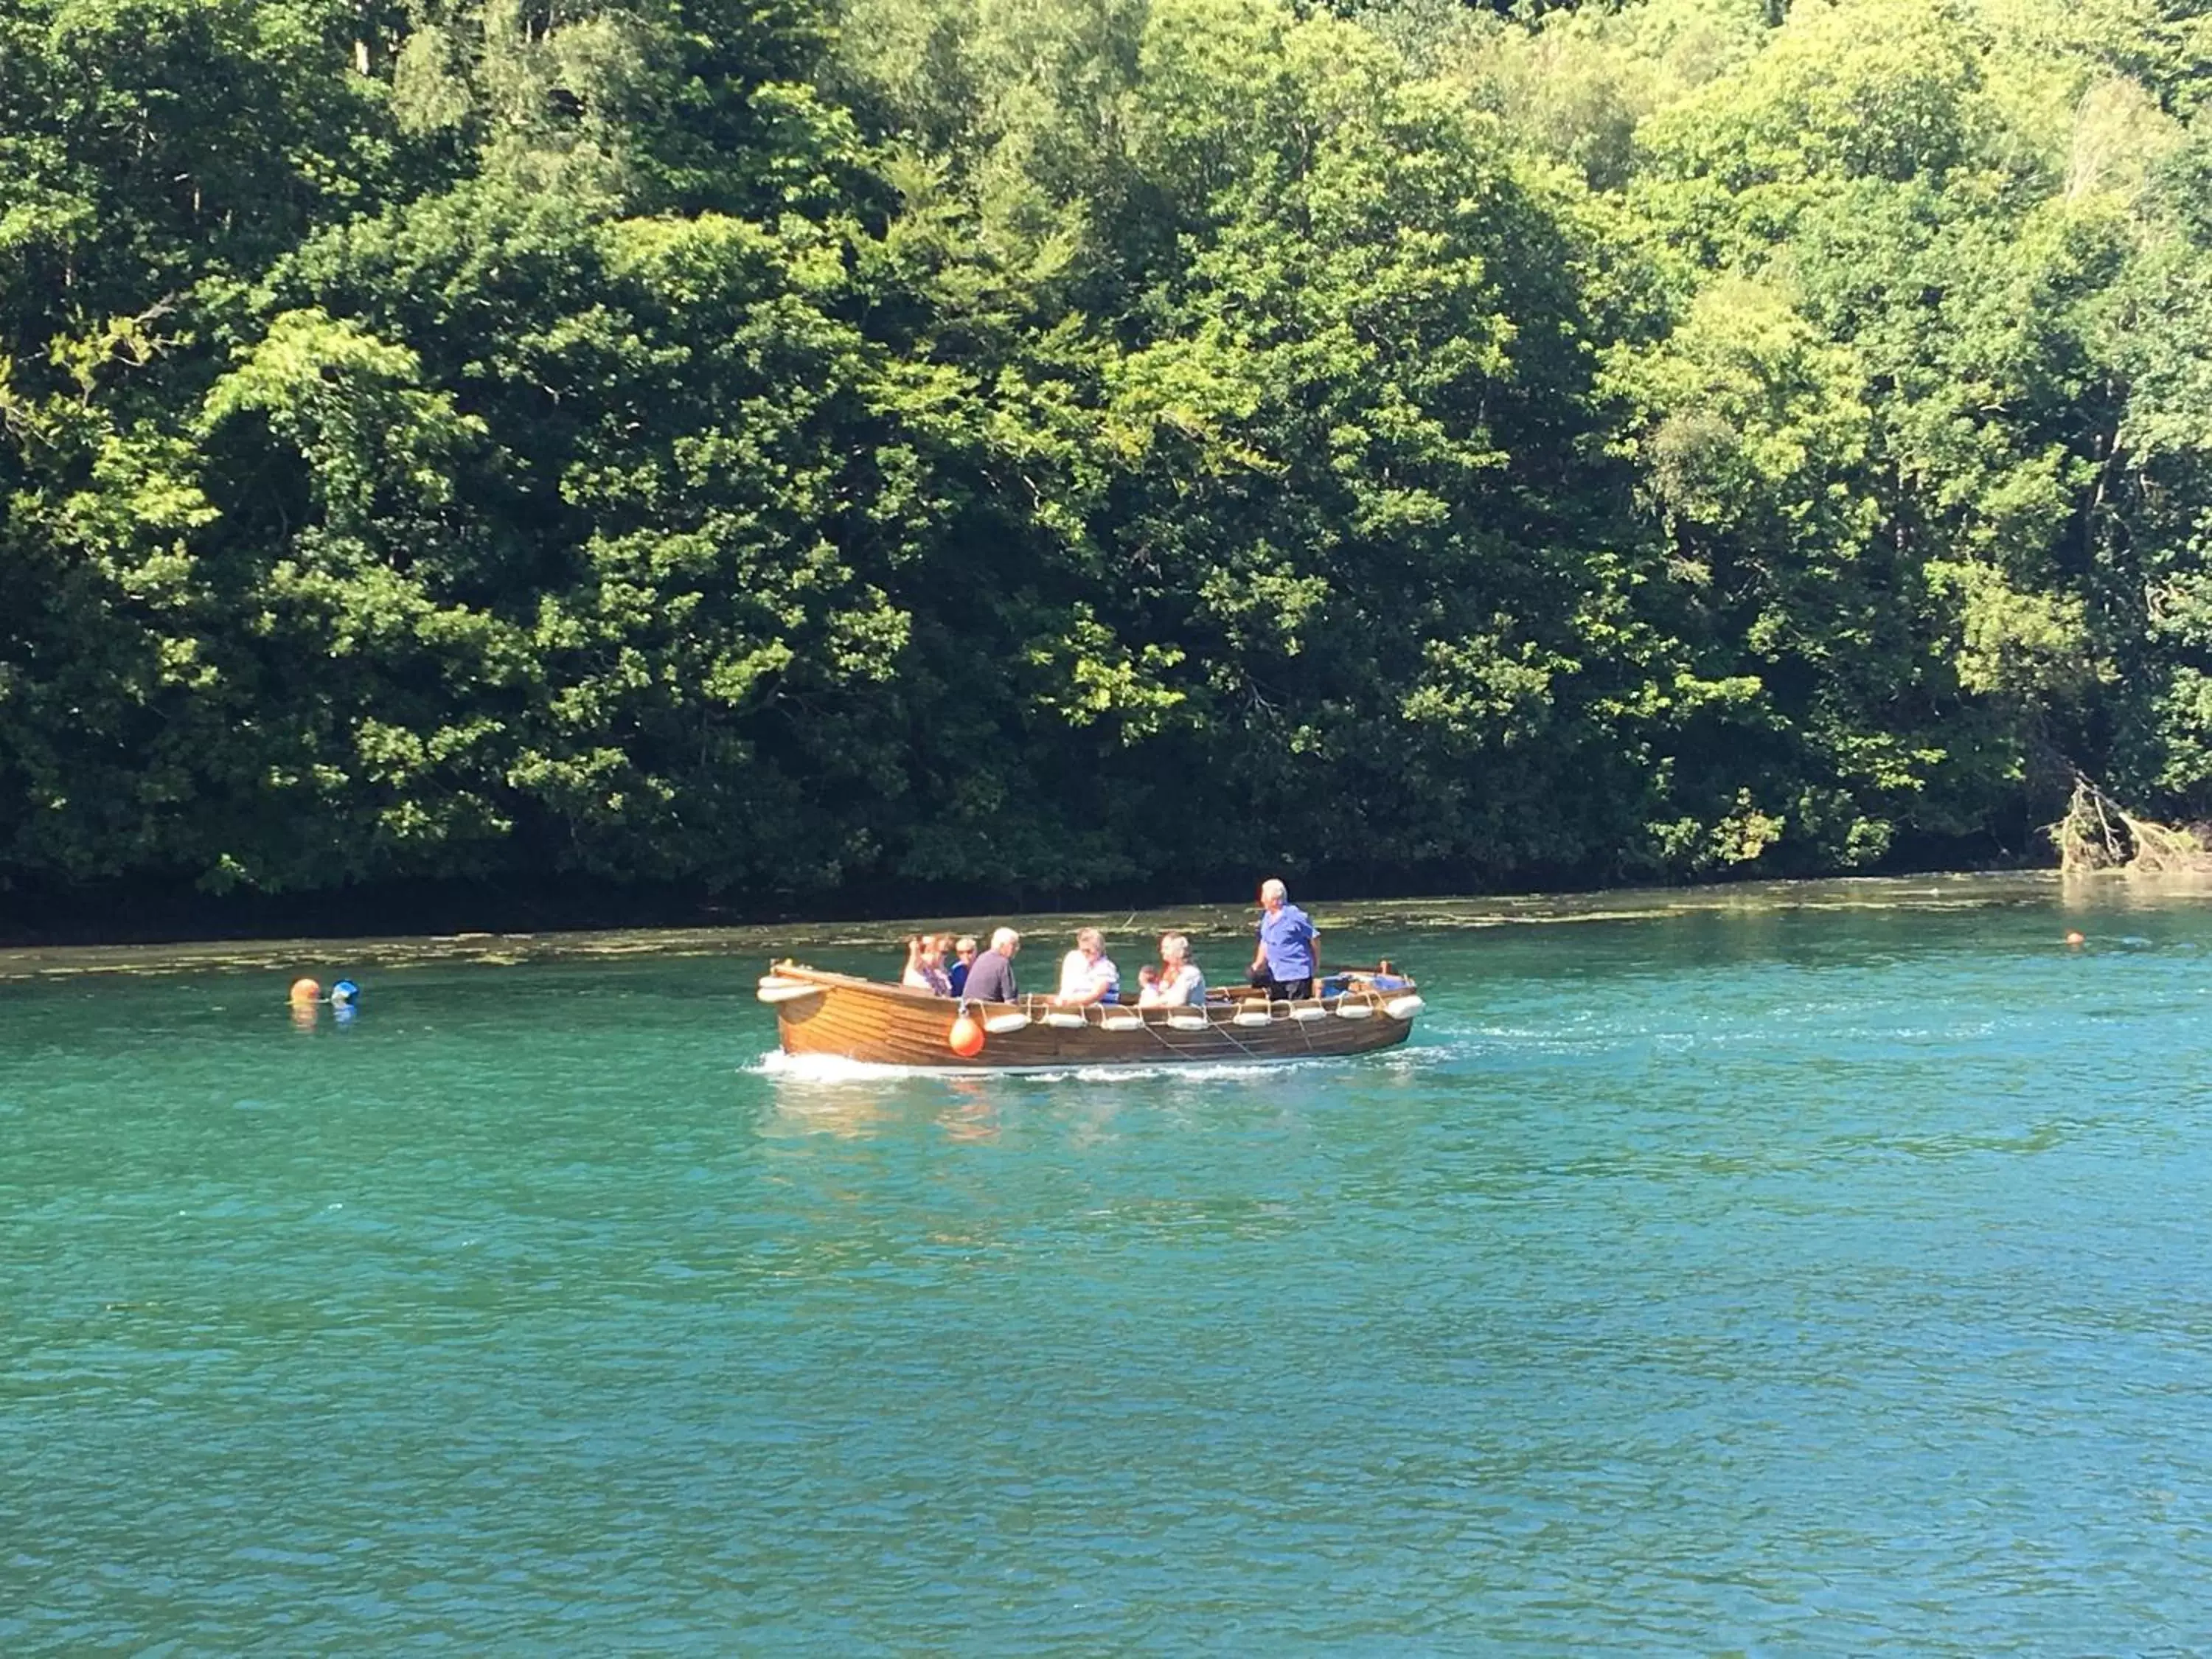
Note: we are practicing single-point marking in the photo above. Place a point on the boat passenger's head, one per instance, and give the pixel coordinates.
(1273, 893)
(1091, 942)
(1006, 941)
(965, 949)
(1174, 947)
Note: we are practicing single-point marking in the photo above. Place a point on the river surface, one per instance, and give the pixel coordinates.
(1794, 1270)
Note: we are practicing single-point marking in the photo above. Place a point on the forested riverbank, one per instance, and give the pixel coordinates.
(805, 454)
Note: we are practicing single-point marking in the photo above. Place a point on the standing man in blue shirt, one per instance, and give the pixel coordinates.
(1289, 956)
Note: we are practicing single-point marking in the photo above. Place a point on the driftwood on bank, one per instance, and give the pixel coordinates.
(2097, 834)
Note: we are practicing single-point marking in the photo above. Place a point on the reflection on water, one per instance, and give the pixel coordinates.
(971, 1113)
(819, 1094)
(847, 1112)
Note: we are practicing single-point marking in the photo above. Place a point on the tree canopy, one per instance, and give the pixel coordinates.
(1039, 446)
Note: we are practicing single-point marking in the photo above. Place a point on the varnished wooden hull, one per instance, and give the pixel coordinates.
(884, 1024)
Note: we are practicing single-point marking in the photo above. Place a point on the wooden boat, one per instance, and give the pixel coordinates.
(822, 1013)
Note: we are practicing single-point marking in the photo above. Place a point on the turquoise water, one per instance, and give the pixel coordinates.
(1767, 1278)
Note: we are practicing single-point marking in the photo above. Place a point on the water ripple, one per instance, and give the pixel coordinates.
(1819, 1279)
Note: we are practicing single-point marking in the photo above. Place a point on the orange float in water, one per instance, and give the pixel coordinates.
(966, 1037)
(306, 990)
(2075, 939)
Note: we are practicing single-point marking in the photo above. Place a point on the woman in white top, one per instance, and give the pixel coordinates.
(1088, 975)
(1180, 983)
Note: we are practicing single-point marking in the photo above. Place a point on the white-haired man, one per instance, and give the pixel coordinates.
(1289, 955)
(992, 978)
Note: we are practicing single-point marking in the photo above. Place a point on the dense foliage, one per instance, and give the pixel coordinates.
(1028, 447)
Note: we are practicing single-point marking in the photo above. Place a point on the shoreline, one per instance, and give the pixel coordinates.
(1937, 890)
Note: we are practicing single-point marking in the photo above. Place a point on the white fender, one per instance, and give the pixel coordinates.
(1189, 1022)
(999, 1025)
(1404, 1007)
(1065, 1019)
(1113, 1021)
(772, 989)
(1309, 1014)
(1251, 1016)
(1347, 1009)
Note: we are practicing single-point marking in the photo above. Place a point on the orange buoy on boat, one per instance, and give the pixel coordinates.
(966, 1037)
(306, 990)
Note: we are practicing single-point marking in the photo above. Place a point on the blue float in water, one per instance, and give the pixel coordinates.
(343, 992)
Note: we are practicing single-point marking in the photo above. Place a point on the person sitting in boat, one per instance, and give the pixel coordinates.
(925, 966)
(1290, 950)
(1088, 974)
(1148, 980)
(1180, 985)
(992, 978)
(964, 958)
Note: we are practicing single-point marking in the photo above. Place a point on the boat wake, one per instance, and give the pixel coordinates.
(834, 1069)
